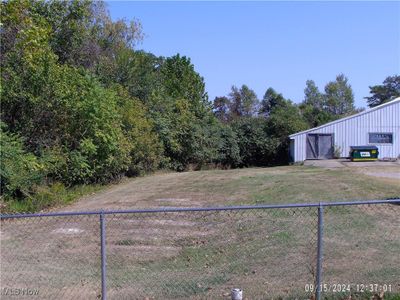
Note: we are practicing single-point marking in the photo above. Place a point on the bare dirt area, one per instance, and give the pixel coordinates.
(202, 255)
(382, 169)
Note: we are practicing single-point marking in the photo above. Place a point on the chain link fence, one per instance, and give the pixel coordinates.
(292, 251)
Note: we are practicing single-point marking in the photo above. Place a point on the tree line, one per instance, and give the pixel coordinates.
(80, 105)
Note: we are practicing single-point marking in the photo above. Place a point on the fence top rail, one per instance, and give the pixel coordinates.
(198, 209)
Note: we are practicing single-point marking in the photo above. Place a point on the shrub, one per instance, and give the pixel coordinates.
(282, 122)
(228, 151)
(145, 148)
(20, 171)
(255, 146)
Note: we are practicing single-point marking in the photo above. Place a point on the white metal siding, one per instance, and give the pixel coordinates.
(354, 131)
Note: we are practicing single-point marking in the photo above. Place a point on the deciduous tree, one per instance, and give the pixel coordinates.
(339, 98)
(385, 92)
(221, 108)
(243, 102)
(270, 100)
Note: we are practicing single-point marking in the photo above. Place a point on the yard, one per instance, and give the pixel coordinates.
(290, 184)
(202, 255)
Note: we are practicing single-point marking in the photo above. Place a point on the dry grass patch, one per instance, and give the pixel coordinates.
(202, 255)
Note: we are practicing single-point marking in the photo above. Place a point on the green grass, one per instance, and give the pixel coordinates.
(307, 184)
(288, 184)
(126, 242)
(245, 249)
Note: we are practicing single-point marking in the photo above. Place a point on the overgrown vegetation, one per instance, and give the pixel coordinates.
(81, 106)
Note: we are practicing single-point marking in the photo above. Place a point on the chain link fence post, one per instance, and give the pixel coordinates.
(103, 256)
(319, 250)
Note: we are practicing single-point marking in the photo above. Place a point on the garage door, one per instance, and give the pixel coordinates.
(319, 146)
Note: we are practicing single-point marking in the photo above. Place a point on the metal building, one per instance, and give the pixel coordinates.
(379, 126)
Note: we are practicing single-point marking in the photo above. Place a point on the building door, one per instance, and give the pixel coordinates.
(312, 146)
(319, 146)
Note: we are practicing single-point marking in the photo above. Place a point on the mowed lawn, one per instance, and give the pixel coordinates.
(289, 184)
(203, 255)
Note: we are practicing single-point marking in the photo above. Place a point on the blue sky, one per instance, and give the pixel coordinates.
(274, 44)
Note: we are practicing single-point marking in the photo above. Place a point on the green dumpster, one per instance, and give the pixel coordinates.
(363, 153)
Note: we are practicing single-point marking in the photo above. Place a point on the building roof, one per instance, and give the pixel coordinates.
(394, 101)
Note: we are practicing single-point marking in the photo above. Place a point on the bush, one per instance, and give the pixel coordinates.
(46, 196)
(255, 146)
(145, 148)
(228, 151)
(20, 171)
(73, 113)
(282, 122)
